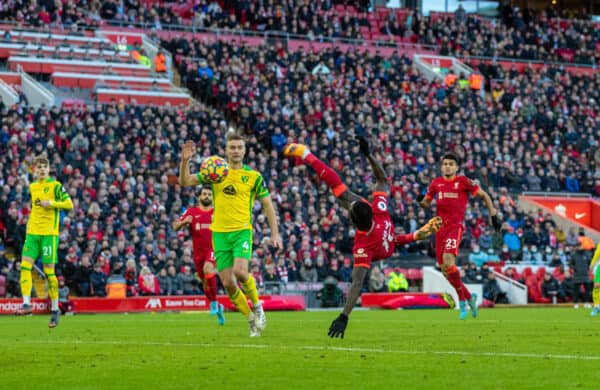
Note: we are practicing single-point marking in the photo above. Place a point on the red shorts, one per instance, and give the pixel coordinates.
(363, 257)
(447, 240)
(201, 258)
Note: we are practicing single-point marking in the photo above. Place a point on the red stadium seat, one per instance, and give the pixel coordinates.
(533, 289)
(527, 272)
(540, 273)
(365, 32)
(558, 274)
(382, 12)
(414, 274)
(516, 274)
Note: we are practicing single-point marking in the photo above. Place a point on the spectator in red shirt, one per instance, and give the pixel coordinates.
(148, 283)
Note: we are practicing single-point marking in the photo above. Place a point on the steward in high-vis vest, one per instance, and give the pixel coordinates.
(450, 79)
(397, 282)
(141, 58)
(160, 62)
(475, 80)
(116, 286)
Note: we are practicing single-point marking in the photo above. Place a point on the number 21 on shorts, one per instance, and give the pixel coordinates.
(450, 243)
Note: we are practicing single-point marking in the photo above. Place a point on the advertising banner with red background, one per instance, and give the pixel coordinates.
(155, 303)
(125, 38)
(405, 300)
(584, 211)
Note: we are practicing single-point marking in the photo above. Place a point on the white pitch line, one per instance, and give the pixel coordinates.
(323, 348)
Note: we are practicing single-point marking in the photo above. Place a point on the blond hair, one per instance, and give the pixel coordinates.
(234, 136)
(40, 160)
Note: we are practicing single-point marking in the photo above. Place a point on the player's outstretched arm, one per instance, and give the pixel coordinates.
(338, 326)
(186, 179)
(376, 167)
(424, 201)
(180, 223)
(496, 223)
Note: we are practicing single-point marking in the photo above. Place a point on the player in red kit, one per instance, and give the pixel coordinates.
(374, 239)
(452, 194)
(198, 219)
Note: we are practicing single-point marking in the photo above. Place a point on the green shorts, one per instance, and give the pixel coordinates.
(597, 274)
(44, 247)
(231, 245)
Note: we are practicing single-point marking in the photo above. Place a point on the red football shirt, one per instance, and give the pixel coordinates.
(452, 197)
(378, 243)
(201, 234)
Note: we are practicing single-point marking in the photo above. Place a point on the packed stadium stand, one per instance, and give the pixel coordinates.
(115, 128)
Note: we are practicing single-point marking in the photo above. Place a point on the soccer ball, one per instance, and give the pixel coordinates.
(214, 169)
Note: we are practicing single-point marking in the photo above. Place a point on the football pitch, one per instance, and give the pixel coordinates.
(554, 348)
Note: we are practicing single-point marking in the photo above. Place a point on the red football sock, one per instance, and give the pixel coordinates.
(326, 174)
(210, 287)
(453, 276)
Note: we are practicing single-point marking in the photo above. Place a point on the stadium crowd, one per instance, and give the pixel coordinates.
(119, 163)
(521, 34)
(535, 131)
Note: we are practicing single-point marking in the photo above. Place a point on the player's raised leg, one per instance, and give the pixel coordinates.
(26, 286)
(32, 249)
(324, 172)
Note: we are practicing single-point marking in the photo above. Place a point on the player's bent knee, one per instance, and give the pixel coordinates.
(240, 269)
(208, 269)
(229, 284)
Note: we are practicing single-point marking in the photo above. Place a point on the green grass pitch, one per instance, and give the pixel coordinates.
(554, 348)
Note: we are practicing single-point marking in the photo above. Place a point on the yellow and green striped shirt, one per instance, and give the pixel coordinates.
(596, 257)
(45, 222)
(234, 198)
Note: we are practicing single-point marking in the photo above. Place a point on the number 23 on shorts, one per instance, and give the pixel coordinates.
(450, 243)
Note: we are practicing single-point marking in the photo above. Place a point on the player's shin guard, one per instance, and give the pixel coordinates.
(596, 297)
(53, 289)
(250, 289)
(26, 282)
(241, 302)
(210, 287)
(453, 276)
(326, 174)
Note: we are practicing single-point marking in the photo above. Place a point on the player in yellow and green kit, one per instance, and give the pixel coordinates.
(595, 263)
(48, 197)
(232, 224)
